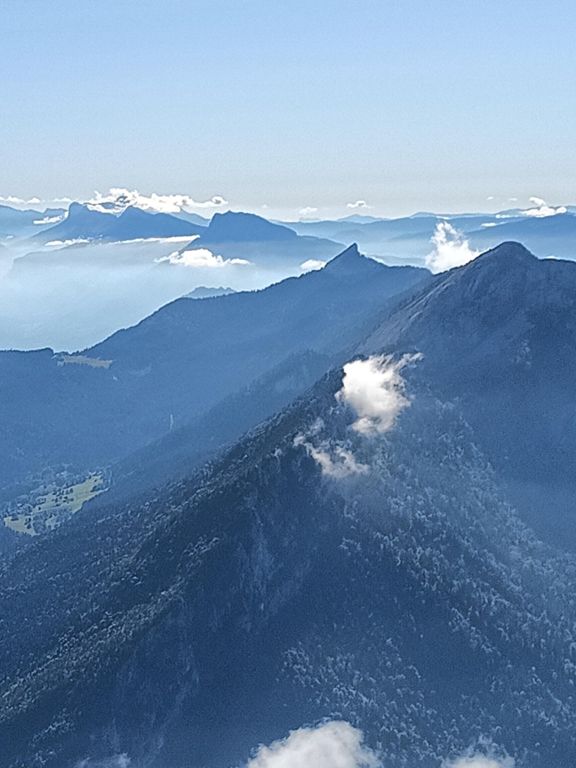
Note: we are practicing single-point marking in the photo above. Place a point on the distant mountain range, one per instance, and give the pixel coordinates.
(179, 362)
(15, 222)
(410, 238)
(362, 554)
(547, 231)
(246, 236)
(84, 223)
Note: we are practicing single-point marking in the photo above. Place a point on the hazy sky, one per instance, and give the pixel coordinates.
(407, 105)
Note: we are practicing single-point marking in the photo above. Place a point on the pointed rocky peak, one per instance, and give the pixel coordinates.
(348, 262)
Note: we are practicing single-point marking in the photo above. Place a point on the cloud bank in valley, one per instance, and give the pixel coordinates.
(374, 389)
(334, 744)
(451, 249)
(202, 258)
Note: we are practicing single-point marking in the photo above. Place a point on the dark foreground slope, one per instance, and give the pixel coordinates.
(394, 587)
(134, 387)
(499, 338)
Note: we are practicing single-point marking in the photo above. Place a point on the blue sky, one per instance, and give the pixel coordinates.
(407, 105)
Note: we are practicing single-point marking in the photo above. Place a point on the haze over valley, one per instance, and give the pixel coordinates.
(71, 276)
(287, 384)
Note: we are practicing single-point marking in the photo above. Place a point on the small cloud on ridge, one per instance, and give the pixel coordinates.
(374, 389)
(333, 458)
(334, 744)
(451, 249)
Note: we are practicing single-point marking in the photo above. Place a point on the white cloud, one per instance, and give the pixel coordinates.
(13, 200)
(451, 249)
(311, 264)
(32, 201)
(202, 258)
(334, 744)
(120, 198)
(307, 212)
(66, 243)
(334, 459)
(176, 239)
(117, 761)
(48, 220)
(479, 761)
(374, 389)
(542, 210)
(359, 204)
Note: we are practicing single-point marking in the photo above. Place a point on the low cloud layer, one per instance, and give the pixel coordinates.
(47, 220)
(202, 258)
(334, 744)
(374, 389)
(312, 264)
(451, 249)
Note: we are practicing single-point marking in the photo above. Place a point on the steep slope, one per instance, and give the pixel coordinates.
(270, 591)
(92, 408)
(179, 452)
(500, 338)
